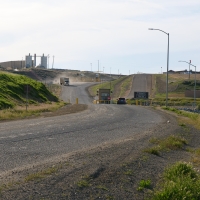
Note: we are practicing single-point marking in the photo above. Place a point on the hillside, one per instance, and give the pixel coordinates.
(13, 90)
(53, 75)
(178, 84)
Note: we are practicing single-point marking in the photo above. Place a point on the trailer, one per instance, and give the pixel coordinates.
(64, 81)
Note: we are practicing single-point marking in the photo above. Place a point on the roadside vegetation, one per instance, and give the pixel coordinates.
(165, 144)
(41, 174)
(21, 96)
(179, 181)
(178, 84)
(144, 184)
(186, 117)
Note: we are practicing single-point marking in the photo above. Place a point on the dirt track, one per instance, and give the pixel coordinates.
(112, 171)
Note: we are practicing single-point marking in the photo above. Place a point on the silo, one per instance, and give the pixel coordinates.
(34, 62)
(44, 61)
(28, 61)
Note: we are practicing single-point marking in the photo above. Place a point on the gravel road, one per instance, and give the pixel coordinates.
(97, 142)
(36, 140)
(76, 90)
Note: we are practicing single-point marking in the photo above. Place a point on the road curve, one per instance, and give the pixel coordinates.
(76, 90)
(30, 141)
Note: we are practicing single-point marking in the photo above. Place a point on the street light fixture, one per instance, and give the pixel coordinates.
(194, 80)
(153, 29)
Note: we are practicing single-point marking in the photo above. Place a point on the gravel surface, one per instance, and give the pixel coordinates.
(104, 159)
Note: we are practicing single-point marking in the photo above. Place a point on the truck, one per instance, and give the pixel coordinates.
(64, 81)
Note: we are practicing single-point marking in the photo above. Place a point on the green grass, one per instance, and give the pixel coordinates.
(153, 150)
(178, 84)
(170, 143)
(102, 187)
(195, 157)
(125, 86)
(42, 174)
(189, 117)
(83, 184)
(144, 184)
(128, 172)
(179, 181)
(193, 116)
(36, 110)
(13, 91)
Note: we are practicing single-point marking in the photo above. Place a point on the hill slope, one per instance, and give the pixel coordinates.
(13, 91)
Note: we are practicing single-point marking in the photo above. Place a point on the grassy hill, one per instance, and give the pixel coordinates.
(178, 84)
(13, 91)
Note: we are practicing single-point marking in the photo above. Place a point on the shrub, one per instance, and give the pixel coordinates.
(180, 181)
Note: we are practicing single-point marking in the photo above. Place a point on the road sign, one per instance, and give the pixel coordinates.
(141, 95)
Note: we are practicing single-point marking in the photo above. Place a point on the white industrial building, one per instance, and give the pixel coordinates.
(32, 63)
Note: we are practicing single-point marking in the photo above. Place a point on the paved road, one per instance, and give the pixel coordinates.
(76, 90)
(29, 141)
(141, 83)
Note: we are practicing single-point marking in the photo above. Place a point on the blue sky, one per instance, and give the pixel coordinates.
(115, 32)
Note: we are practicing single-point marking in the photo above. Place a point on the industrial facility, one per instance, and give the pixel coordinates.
(30, 61)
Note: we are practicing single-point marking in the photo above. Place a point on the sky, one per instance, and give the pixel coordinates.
(110, 36)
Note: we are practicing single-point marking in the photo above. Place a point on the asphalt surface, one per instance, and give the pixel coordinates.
(26, 142)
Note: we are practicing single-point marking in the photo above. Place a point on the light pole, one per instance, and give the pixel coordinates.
(91, 66)
(189, 69)
(194, 80)
(152, 29)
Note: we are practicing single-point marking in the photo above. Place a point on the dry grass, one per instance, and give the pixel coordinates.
(186, 120)
(42, 174)
(20, 112)
(183, 76)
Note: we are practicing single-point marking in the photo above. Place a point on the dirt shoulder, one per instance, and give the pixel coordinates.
(111, 171)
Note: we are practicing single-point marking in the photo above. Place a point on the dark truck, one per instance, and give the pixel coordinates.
(64, 81)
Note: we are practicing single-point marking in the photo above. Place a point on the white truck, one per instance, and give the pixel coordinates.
(64, 81)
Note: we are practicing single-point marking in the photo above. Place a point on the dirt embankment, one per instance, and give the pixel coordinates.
(112, 171)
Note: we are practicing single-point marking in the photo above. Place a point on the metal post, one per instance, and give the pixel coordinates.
(194, 80)
(195, 88)
(166, 104)
(167, 72)
(189, 69)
